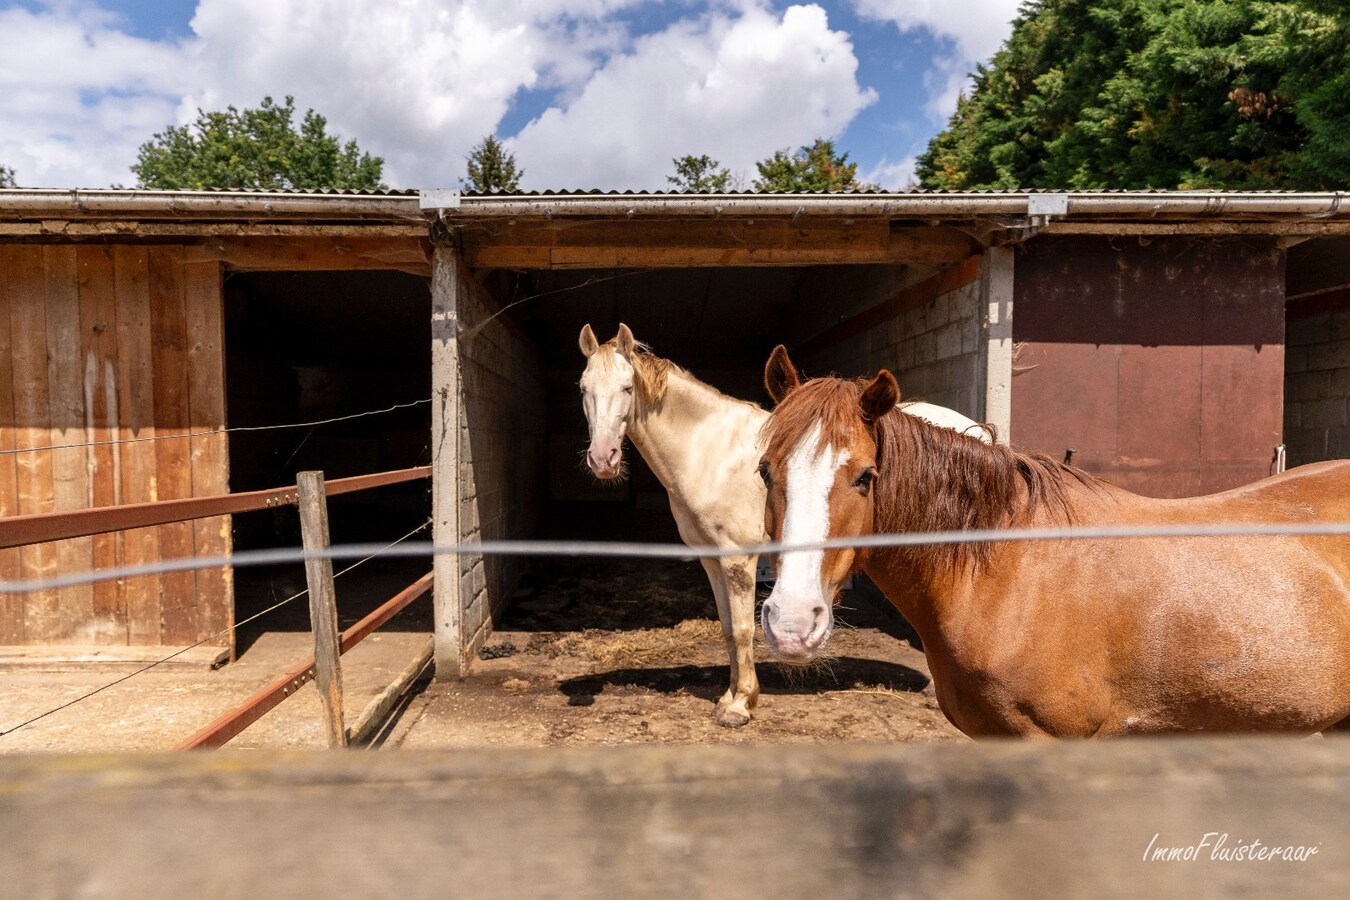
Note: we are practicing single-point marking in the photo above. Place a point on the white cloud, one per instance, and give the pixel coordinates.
(975, 29)
(419, 82)
(78, 96)
(734, 84)
(893, 176)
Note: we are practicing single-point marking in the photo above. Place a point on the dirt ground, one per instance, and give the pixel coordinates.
(589, 652)
(615, 652)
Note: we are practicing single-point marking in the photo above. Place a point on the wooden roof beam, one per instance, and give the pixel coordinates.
(688, 244)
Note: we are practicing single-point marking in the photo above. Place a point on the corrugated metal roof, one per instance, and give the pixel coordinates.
(329, 192)
(868, 192)
(363, 207)
(325, 192)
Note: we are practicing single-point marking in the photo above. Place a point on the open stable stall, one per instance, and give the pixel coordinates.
(1141, 334)
(115, 389)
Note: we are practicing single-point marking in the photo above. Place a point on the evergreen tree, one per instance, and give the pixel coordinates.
(701, 174)
(492, 168)
(1239, 94)
(814, 168)
(7, 177)
(254, 148)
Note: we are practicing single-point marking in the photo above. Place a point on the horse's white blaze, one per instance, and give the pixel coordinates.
(806, 520)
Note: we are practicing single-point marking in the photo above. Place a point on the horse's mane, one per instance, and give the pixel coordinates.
(931, 478)
(651, 377)
(651, 373)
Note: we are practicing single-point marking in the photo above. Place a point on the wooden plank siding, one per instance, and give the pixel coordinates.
(209, 453)
(105, 344)
(11, 562)
(135, 402)
(99, 354)
(32, 423)
(173, 461)
(70, 473)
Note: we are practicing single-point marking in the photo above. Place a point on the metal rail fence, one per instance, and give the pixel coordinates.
(309, 494)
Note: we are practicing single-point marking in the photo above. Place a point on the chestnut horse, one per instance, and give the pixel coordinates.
(701, 444)
(1082, 637)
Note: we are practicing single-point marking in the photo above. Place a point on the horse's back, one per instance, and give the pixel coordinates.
(1317, 491)
(945, 417)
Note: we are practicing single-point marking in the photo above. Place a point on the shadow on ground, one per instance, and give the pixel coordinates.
(708, 682)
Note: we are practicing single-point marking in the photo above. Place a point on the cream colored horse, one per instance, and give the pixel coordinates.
(703, 446)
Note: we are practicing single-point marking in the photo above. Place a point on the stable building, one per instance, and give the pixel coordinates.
(1175, 343)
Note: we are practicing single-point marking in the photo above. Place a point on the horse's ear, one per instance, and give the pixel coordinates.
(879, 397)
(780, 375)
(587, 341)
(624, 340)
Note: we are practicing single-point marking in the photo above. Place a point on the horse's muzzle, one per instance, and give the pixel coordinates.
(797, 632)
(605, 462)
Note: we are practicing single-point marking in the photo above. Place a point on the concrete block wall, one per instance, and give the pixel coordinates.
(930, 341)
(1317, 381)
(502, 442)
(937, 355)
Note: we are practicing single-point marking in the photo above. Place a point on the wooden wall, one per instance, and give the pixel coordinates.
(110, 346)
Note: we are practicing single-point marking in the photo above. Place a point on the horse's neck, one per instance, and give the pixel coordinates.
(916, 592)
(937, 587)
(662, 433)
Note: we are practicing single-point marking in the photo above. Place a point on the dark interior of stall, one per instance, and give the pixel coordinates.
(720, 325)
(337, 357)
(327, 371)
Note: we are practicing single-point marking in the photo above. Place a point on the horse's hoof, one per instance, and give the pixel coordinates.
(731, 718)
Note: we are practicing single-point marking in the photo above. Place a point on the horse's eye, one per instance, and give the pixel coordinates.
(628, 389)
(764, 472)
(864, 481)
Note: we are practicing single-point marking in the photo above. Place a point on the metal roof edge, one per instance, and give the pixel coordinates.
(57, 203)
(30, 204)
(1065, 204)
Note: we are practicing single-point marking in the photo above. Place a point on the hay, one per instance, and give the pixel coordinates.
(639, 648)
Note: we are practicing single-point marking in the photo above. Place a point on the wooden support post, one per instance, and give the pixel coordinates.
(446, 280)
(322, 603)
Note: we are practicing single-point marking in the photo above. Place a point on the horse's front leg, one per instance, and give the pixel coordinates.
(733, 583)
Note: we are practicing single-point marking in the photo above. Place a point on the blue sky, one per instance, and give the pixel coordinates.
(587, 93)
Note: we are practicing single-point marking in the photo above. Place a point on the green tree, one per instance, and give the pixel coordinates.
(255, 148)
(1240, 94)
(492, 168)
(701, 174)
(814, 168)
(7, 177)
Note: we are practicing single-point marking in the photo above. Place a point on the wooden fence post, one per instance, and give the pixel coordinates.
(322, 603)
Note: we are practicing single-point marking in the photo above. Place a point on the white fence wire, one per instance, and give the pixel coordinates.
(637, 550)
